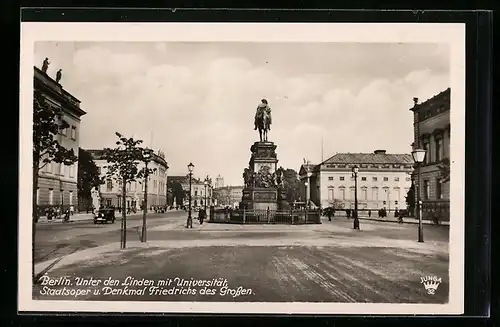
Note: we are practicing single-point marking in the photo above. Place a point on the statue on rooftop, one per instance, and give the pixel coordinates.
(45, 65)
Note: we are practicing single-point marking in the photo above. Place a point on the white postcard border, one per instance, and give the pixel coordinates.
(453, 34)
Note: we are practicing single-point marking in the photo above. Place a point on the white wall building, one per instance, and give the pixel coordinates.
(383, 180)
(111, 190)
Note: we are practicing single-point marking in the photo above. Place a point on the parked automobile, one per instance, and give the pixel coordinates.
(104, 215)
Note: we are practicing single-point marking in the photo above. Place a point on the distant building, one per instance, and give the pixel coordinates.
(200, 194)
(228, 195)
(383, 180)
(57, 183)
(431, 122)
(111, 190)
(219, 181)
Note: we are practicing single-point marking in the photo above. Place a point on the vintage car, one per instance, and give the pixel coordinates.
(104, 215)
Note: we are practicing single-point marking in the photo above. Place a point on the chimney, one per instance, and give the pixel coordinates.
(379, 151)
(415, 101)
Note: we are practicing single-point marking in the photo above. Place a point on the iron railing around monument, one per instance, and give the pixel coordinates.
(243, 216)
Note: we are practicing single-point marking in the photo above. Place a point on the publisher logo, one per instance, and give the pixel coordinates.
(431, 283)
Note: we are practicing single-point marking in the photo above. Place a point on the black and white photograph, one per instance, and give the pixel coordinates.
(272, 168)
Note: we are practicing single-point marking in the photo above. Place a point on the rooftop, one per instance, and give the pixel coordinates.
(57, 88)
(98, 154)
(442, 95)
(369, 158)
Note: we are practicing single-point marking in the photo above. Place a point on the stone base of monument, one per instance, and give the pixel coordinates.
(260, 199)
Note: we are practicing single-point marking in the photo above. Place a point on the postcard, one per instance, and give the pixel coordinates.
(242, 168)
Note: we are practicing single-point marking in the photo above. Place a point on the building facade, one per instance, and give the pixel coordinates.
(201, 194)
(383, 181)
(57, 183)
(111, 190)
(431, 121)
(228, 195)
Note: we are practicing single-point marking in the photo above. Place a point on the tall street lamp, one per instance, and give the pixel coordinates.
(419, 156)
(355, 171)
(190, 219)
(206, 184)
(146, 157)
(307, 183)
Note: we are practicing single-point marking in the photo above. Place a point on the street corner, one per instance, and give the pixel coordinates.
(109, 254)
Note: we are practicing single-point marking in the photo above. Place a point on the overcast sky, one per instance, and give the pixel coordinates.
(198, 100)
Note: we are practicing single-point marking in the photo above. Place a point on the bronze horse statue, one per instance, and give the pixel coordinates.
(263, 120)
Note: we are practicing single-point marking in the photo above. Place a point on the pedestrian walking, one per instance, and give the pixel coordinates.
(369, 213)
(201, 215)
(356, 220)
(71, 210)
(66, 216)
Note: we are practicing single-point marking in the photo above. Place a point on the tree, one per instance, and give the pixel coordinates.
(47, 123)
(291, 185)
(88, 176)
(178, 193)
(410, 198)
(123, 168)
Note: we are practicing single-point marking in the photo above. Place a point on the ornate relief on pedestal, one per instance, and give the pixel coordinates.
(259, 196)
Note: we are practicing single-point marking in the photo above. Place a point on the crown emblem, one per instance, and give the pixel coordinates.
(431, 283)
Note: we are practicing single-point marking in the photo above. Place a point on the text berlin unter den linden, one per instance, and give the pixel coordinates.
(130, 286)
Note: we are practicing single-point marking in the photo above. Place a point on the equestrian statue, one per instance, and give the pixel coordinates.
(263, 119)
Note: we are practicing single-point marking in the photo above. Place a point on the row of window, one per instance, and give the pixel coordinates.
(51, 196)
(60, 169)
(374, 179)
(434, 150)
(426, 189)
(340, 194)
(159, 187)
(64, 132)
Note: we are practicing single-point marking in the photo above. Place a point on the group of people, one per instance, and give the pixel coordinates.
(57, 212)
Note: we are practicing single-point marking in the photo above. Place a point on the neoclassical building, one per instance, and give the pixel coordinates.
(383, 180)
(57, 183)
(111, 190)
(431, 121)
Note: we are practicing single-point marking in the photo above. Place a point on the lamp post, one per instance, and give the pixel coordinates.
(62, 199)
(307, 188)
(307, 183)
(146, 156)
(190, 219)
(418, 156)
(206, 184)
(355, 171)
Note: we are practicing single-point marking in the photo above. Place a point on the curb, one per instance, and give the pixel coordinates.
(406, 221)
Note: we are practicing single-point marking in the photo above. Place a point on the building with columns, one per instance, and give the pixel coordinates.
(57, 183)
(111, 190)
(431, 122)
(383, 180)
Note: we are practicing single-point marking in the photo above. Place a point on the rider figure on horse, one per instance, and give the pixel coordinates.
(263, 108)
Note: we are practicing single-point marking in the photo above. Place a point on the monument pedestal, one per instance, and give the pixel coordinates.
(261, 191)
